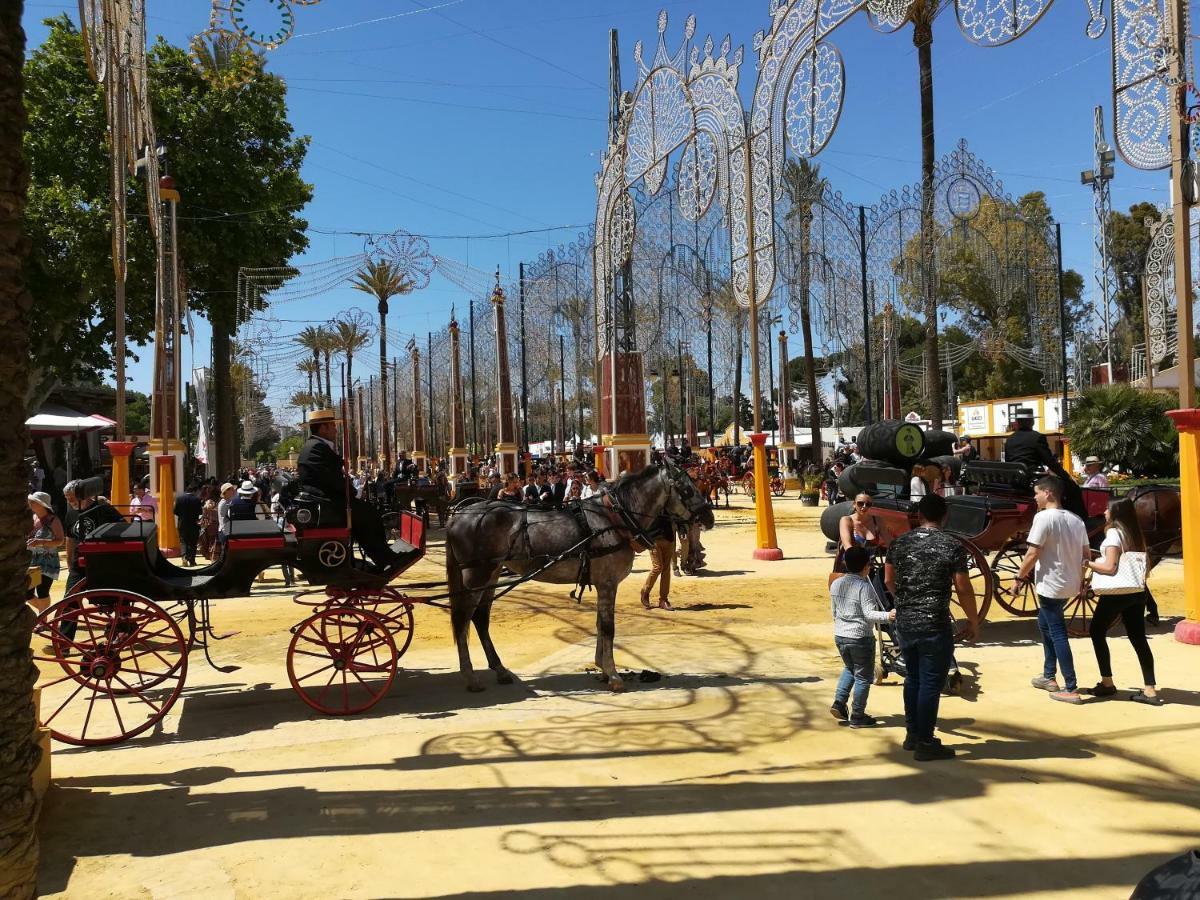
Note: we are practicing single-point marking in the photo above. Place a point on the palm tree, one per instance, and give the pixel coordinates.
(922, 14)
(19, 753)
(383, 280)
(805, 186)
(313, 340)
(311, 368)
(327, 347)
(351, 332)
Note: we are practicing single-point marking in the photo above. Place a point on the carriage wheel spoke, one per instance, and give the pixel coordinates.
(315, 672)
(138, 695)
(64, 703)
(88, 718)
(112, 698)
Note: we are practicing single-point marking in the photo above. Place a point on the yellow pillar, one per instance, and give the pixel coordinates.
(118, 494)
(168, 534)
(1067, 464)
(1188, 423)
(764, 514)
(598, 458)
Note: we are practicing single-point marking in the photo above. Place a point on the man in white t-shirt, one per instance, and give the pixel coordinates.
(1058, 547)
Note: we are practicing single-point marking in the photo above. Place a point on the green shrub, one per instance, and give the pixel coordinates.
(1126, 427)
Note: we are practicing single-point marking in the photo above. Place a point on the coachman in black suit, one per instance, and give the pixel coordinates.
(1030, 447)
(322, 475)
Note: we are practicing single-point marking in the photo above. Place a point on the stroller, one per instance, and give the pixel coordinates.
(888, 658)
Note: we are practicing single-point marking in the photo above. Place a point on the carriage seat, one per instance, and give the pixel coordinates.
(137, 530)
(969, 515)
(992, 474)
(253, 528)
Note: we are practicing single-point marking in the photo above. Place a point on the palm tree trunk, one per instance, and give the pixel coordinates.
(351, 423)
(810, 362)
(923, 38)
(328, 378)
(384, 429)
(737, 378)
(19, 753)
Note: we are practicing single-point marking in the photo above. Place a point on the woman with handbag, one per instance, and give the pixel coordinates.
(1119, 581)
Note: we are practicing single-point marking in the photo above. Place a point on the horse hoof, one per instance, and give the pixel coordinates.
(474, 687)
(504, 677)
(616, 684)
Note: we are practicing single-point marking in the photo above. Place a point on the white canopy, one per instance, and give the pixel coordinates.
(54, 419)
(1168, 379)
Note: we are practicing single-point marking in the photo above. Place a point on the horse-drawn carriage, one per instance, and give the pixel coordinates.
(114, 653)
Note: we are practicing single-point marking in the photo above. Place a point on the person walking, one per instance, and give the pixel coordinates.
(662, 555)
(1058, 548)
(45, 538)
(208, 529)
(923, 566)
(1121, 588)
(188, 509)
(856, 609)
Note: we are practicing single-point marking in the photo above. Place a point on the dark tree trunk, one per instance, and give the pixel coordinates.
(225, 420)
(19, 753)
(923, 38)
(810, 363)
(328, 378)
(737, 379)
(384, 429)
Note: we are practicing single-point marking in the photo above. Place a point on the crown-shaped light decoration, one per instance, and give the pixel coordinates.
(721, 64)
(662, 57)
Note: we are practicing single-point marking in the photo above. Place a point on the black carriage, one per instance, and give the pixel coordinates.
(114, 653)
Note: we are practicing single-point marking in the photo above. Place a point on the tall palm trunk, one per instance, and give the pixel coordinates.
(351, 423)
(384, 429)
(923, 38)
(328, 378)
(19, 753)
(810, 362)
(737, 377)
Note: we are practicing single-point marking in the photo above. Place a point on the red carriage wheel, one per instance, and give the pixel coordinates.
(981, 579)
(123, 661)
(748, 484)
(1020, 600)
(341, 660)
(398, 619)
(1078, 612)
(777, 487)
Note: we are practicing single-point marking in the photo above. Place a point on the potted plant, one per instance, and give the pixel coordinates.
(810, 493)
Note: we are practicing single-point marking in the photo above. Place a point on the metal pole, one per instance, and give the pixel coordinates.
(524, 382)
(562, 387)
(866, 303)
(429, 368)
(474, 411)
(770, 365)
(712, 415)
(1062, 324)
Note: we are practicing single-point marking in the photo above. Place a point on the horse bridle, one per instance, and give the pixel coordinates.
(625, 521)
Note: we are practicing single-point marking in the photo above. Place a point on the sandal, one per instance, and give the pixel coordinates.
(1140, 697)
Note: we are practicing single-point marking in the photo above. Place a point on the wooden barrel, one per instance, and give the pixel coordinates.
(831, 517)
(892, 441)
(868, 475)
(939, 443)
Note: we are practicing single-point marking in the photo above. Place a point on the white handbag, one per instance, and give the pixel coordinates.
(1130, 577)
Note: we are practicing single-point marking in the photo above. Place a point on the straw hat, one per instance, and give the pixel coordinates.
(247, 489)
(40, 497)
(1093, 460)
(319, 416)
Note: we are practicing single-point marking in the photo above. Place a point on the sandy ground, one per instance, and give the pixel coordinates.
(726, 778)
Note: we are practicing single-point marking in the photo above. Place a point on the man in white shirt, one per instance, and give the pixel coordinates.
(1058, 547)
(1095, 478)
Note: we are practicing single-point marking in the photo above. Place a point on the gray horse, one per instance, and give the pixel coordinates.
(482, 536)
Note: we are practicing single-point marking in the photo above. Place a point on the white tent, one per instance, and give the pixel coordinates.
(52, 419)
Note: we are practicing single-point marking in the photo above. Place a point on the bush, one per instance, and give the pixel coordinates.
(1126, 427)
(291, 445)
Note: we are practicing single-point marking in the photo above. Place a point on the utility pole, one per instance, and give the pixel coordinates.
(524, 383)
(474, 411)
(814, 402)
(433, 445)
(1098, 178)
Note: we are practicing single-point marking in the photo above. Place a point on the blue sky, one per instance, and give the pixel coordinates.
(482, 117)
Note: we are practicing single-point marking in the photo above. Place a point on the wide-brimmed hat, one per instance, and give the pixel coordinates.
(1093, 459)
(247, 489)
(40, 497)
(318, 416)
(226, 487)
(1023, 413)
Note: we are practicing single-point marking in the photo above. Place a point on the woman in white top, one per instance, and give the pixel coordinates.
(1122, 534)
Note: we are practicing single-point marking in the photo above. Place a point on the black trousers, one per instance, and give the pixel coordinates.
(367, 528)
(189, 537)
(1131, 610)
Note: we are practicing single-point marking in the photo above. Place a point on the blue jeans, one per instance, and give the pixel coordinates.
(927, 659)
(858, 655)
(1053, 626)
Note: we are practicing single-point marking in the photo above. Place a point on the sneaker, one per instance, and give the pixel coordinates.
(927, 752)
(910, 742)
(1045, 684)
(863, 721)
(1066, 697)
(1100, 690)
(839, 711)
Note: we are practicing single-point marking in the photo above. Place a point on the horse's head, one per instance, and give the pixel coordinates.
(683, 501)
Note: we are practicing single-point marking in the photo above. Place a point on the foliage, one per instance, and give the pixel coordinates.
(235, 158)
(382, 280)
(288, 446)
(137, 413)
(1126, 427)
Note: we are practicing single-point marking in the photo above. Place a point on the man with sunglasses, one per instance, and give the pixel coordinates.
(922, 568)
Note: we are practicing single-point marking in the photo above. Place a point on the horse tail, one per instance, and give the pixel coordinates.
(454, 579)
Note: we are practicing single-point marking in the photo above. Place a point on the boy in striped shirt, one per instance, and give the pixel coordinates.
(856, 609)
